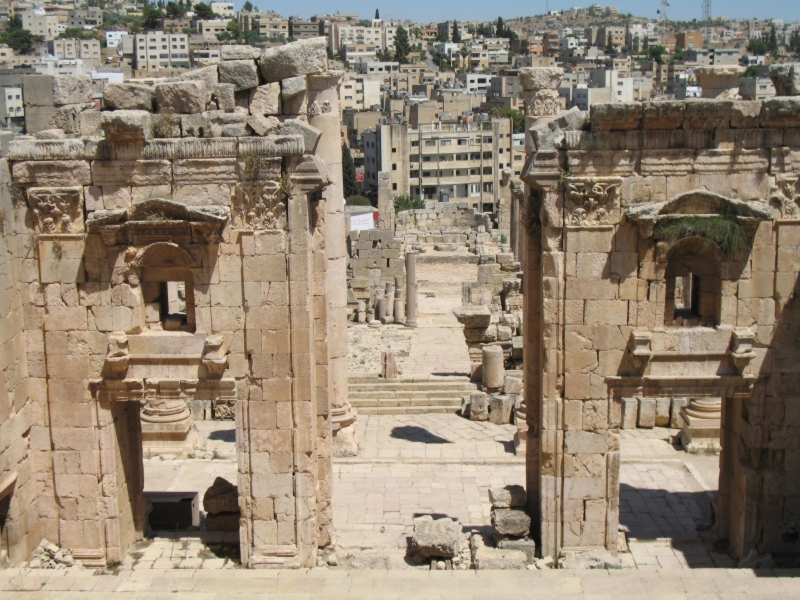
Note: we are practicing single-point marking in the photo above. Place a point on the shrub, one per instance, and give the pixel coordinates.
(406, 202)
(725, 231)
(358, 201)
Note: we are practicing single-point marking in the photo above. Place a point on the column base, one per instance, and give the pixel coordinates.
(345, 442)
(178, 438)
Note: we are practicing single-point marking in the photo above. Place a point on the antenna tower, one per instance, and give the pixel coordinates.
(662, 12)
(707, 19)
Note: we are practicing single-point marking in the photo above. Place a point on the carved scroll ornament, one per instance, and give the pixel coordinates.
(259, 205)
(57, 210)
(786, 196)
(589, 201)
(542, 103)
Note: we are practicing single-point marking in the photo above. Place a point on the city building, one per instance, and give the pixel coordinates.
(74, 48)
(210, 28)
(156, 50)
(41, 24)
(113, 38)
(359, 92)
(85, 17)
(301, 30)
(11, 109)
(356, 53)
(689, 39)
(756, 88)
(224, 9)
(457, 161)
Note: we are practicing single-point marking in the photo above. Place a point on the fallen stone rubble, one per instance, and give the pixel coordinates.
(50, 556)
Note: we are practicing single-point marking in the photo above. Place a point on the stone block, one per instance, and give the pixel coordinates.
(620, 116)
(439, 537)
(52, 173)
(129, 96)
(493, 368)
(303, 57)
(295, 127)
(224, 95)
(676, 420)
(647, 413)
(528, 547)
(479, 406)
(540, 78)
(239, 52)
(37, 90)
(71, 89)
(500, 409)
(243, 74)
(513, 385)
(781, 111)
(511, 521)
(662, 416)
(266, 100)
(221, 497)
(630, 413)
(207, 75)
(181, 97)
(510, 496)
(293, 86)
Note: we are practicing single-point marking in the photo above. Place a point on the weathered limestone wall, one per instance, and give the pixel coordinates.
(606, 188)
(445, 223)
(26, 468)
(239, 208)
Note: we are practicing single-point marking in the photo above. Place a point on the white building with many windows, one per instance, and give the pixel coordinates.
(156, 50)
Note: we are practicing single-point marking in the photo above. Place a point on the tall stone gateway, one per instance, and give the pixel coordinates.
(662, 244)
(189, 246)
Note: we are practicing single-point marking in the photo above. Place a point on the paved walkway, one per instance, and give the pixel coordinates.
(437, 345)
(304, 584)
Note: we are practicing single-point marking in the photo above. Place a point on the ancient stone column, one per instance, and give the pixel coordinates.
(389, 294)
(324, 114)
(494, 373)
(411, 289)
(385, 202)
(702, 419)
(399, 310)
(166, 420)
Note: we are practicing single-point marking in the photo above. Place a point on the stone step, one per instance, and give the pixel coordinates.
(407, 410)
(366, 402)
(409, 387)
(408, 394)
(367, 378)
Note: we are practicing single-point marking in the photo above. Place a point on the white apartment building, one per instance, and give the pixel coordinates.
(360, 92)
(210, 28)
(475, 83)
(156, 50)
(113, 38)
(380, 34)
(352, 54)
(460, 162)
(224, 9)
(11, 104)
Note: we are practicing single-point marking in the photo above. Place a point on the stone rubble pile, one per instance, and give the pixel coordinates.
(441, 542)
(500, 398)
(256, 94)
(50, 556)
(447, 226)
(374, 262)
(221, 503)
(594, 559)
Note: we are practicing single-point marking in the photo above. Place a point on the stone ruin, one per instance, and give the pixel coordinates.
(622, 211)
(375, 269)
(446, 227)
(183, 258)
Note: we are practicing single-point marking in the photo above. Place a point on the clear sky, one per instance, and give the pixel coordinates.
(433, 10)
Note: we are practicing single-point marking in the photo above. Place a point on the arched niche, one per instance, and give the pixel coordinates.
(167, 287)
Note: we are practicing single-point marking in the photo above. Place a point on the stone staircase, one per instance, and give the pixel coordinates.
(372, 395)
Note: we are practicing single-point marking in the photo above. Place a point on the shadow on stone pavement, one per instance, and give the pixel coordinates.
(412, 433)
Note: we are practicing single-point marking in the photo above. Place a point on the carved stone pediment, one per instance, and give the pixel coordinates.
(696, 203)
(309, 175)
(57, 209)
(159, 220)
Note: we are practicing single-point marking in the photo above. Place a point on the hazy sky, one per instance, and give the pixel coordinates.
(433, 10)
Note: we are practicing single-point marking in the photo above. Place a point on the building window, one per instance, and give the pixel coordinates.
(394, 166)
(430, 142)
(394, 186)
(693, 286)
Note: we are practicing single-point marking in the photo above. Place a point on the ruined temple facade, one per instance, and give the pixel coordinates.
(169, 258)
(660, 259)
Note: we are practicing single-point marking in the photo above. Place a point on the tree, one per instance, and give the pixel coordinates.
(609, 49)
(175, 10)
(14, 22)
(516, 116)
(21, 41)
(377, 15)
(233, 28)
(657, 53)
(151, 17)
(203, 11)
(772, 44)
(247, 6)
(407, 202)
(751, 71)
(757, 47)
(349, 173)
(456, 33)
(678, 55)
(401, 45)
(500, 27)
(794, 42)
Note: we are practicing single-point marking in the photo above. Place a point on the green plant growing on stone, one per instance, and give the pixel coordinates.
(503, 238)
(407, 202)
(725, 231)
